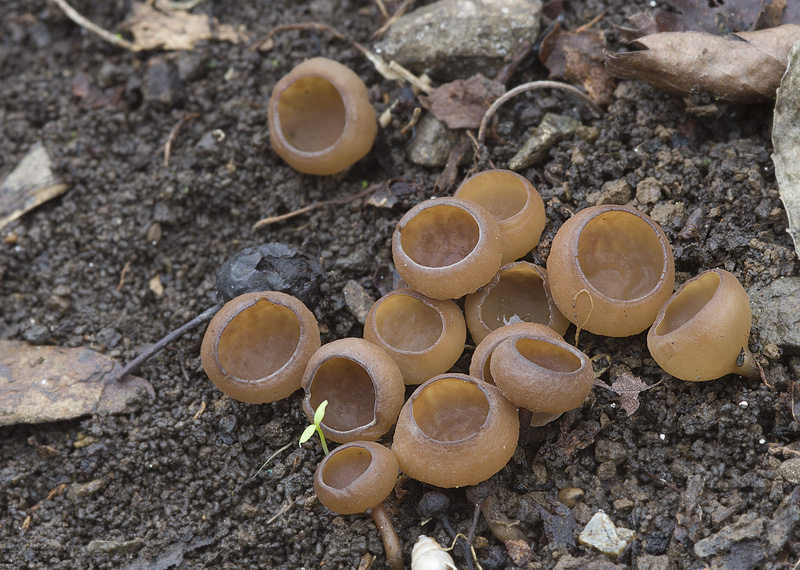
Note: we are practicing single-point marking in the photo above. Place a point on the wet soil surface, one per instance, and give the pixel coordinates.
(179, 483)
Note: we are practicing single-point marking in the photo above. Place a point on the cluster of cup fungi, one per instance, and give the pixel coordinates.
(610, 272)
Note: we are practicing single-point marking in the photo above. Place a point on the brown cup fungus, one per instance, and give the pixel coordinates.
(356, 478)
(610, 270)
(455, 431)
(480, 365)
(424, 336)
(515, 204)
(362, 384)
(520, 292)
(256, 347)
(320, 117)
(701, 333)
(542, 374)
(447, 247)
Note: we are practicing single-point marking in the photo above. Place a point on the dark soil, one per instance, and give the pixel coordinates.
(179, 482)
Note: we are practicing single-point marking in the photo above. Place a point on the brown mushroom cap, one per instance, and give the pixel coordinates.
(519, 292)
(362, 384)
(424, 336)
(703, 329)
(355, 477)
(480, 365)
(446, 247)
(320, 117)
(256, 347)
(515, 204)
(610, 270)
(542, 374)
(455, 430)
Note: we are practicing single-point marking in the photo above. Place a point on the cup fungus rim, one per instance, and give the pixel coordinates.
(562, 344)
(657, 231)
(466, 378)
(526, 184)
(473, 209)
(413, 293)
(662, 311)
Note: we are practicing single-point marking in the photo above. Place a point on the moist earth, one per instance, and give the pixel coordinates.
(197, 480)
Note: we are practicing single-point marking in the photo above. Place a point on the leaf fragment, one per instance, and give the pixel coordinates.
(745, 67)
(627, 387)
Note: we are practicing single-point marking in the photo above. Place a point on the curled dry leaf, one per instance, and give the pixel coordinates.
(743, 68)
(627, 387)
(786, 141)
(461, 104)
(577, 57)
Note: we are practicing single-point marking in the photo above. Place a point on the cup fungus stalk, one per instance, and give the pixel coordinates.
(356, 478)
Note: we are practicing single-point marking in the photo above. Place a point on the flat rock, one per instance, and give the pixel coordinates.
(776, 313)
(454, 39)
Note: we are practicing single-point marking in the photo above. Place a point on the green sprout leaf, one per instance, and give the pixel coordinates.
(319, 414)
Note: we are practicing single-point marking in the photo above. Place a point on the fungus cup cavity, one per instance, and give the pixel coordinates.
(515, 204)
(447, 247)
(611, 268)
(701, 333)
(363, 386)
(424, 336)
(455, 430)
(356, 478)
(540, 373)
(519, 292)
(320, 117)
(256, 347)
(480, 365)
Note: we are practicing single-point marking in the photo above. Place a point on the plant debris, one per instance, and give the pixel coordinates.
(627, 387)
(577, 57)
(461, 104)
(743, 68)
(30, 184)
(786, 140)
(51, 383)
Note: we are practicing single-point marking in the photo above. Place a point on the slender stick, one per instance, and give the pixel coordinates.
(73, 15)
(154, 349)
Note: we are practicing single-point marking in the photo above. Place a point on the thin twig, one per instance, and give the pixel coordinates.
(73, 15)
(400, 11)
(122, 275)
(199, 412)
(316, 205)
(271, 457)
(154, 349)
(382, 8)
(281, 512)
(174, 133)
(591, 22)
(530, 87)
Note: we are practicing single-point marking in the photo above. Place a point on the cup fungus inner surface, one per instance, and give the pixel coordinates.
(621, 256)
(548, 355)
(350, 393)
(518, 296)
(346, 466)
(688, 303)
(259, 341)
(311, 113)
(450, 410)
(501, 193)
(440, 236)
(421, 324)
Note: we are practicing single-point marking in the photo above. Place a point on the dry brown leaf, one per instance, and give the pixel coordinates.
(627, 387)
(743, 68)
(52, 383)
(175, 29)
(461, 104)
(577, 57)
(570, 442)
(727, 16)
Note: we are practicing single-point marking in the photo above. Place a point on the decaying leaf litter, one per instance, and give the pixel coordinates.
(194, 460)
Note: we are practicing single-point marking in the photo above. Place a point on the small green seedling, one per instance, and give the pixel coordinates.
(319, 413)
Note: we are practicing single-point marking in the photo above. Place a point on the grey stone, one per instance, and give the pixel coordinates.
(648, 191)
(432, 144)
(612, 192)
(358, 301)
(650, 562)
(613, 451)
(115, 547)
(453, 39)
(776, 313)
(552, 130)
(81, 490)
(748, 527)
(669, 214)
(790, 470)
